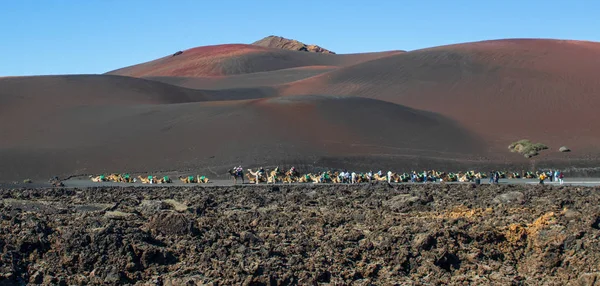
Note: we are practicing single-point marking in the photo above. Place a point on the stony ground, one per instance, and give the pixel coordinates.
(302, 235)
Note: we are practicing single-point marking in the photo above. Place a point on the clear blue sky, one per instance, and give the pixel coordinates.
(95, 36)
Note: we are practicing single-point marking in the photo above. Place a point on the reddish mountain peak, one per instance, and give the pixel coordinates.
(289, 44)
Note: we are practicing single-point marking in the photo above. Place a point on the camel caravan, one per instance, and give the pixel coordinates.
(335, 177)
(127, 178)
(292, 175)
(344, 177)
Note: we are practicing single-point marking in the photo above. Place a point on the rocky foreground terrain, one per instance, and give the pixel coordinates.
(303, 235)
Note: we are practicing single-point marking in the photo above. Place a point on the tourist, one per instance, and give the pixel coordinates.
(389, 176)
(561, 177)
(542, 177)
(492, 173)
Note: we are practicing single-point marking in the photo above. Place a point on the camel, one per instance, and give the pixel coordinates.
(514, 175)
(202, 179)
(361, 178)
(309, 178)
(114, 178)
(451, 177)
(126, 178)
(465, 178)
(164, 180)
(235, 175)
(188, 179)
(335, 177)
(252, 177)
(148, 180)
(274, 176)
(291, 177)
(379, 178)
(325, 177)
(99, 179)
(404, 178)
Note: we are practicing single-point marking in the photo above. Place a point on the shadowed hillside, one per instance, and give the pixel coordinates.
(129, 128)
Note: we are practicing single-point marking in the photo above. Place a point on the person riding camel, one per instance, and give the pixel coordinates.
(259, 173)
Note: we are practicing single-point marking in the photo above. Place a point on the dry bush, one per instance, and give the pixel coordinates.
(527, 148)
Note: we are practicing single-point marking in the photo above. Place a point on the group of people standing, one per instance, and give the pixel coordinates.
(553, 176)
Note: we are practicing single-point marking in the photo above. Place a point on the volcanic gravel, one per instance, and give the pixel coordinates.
(301, 235)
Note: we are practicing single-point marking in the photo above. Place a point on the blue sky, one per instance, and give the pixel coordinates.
(95, 36)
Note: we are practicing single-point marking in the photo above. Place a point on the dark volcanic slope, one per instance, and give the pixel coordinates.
(238, 59)
(505, 90)
(123, 127)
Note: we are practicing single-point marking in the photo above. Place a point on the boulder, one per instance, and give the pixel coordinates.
(510, 198)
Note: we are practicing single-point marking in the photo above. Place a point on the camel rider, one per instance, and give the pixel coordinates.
(293, 171)
(370, 175)
(379, 173)
(150, 179)
(259, 173)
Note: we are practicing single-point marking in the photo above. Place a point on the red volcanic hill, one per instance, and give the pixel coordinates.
(209, 108)
(503, 90)
(67, 125)
(222, 60)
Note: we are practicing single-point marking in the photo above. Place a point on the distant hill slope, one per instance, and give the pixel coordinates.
(66, 125)
(223, 60)
(503, 90)
(289, 44)
(209, 108)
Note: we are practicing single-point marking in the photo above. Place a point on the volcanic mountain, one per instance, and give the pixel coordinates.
(210, 108)
(288, 44)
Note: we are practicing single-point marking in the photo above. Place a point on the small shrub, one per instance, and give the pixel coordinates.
(564, 149)
(27, 181)
(527, 148)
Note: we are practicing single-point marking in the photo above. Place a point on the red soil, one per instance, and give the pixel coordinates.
(237, 59)
(95, 124)
(504, 90)
(450, 107)
(249, 80)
